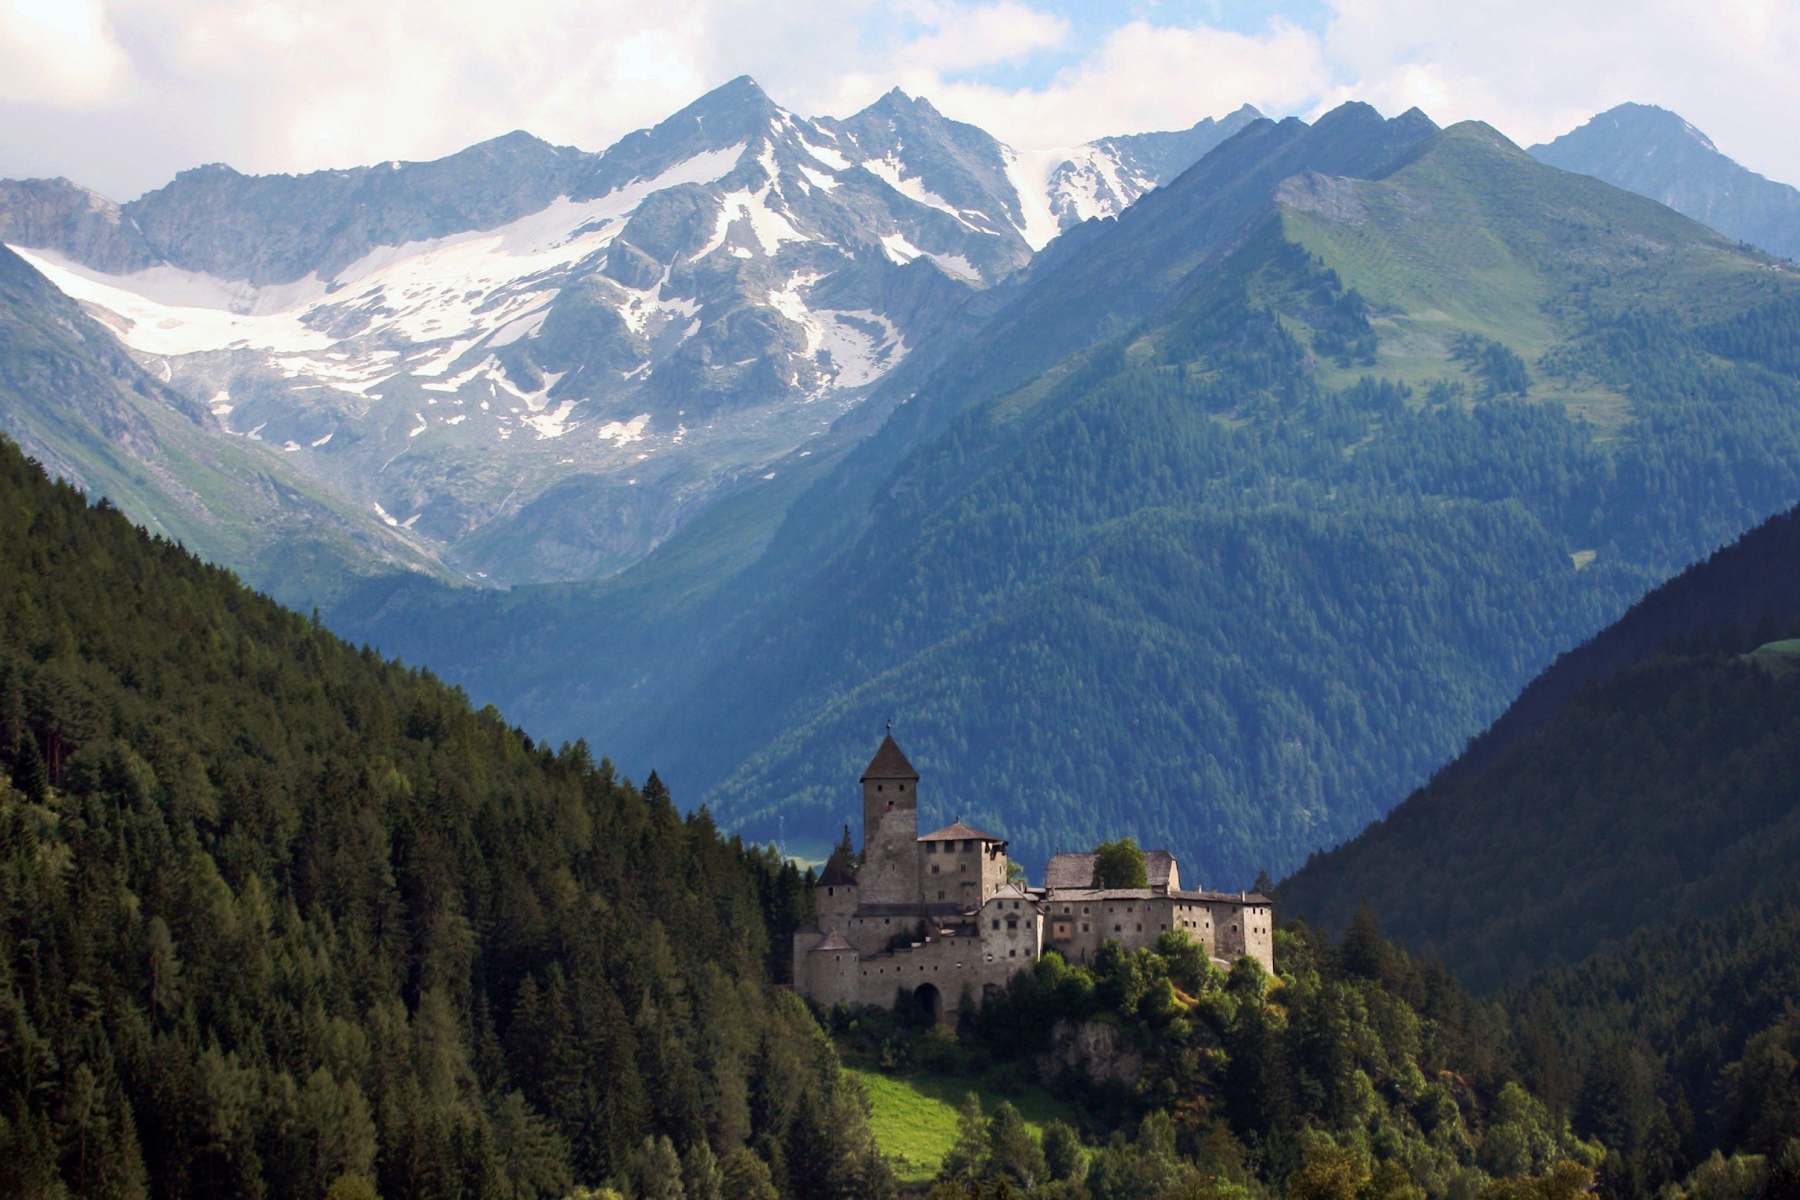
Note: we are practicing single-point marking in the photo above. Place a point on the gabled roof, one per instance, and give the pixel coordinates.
(889, 763)
(956, 831)
(1069, 871)
(833, 941)
(837, 872)
(1077, 870)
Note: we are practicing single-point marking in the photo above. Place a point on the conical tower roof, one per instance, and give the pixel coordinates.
(837, 871)
(889, 763)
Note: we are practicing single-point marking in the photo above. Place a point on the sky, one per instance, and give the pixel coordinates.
(121, 94)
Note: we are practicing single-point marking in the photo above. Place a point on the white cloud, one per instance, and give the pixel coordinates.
(58, 52)
(964, 37)
(1142, 77)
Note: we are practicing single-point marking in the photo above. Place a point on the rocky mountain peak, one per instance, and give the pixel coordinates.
(1656, 153)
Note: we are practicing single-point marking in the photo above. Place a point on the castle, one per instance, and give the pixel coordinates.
(938, 916)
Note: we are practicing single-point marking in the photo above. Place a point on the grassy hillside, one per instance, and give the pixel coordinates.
(276, 914)
(914, 1116)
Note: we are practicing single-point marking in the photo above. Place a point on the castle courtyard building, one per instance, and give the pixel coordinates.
(937, 915)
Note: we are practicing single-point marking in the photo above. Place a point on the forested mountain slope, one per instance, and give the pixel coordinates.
(1744, 590)
(1676, 1046)
(1236, 580)
(1643, 779)
(274, 912)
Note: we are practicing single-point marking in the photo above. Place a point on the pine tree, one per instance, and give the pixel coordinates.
(29, 774)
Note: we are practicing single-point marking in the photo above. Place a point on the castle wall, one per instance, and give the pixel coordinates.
(952, 965)
(1245, 929)
(873, 925)
(1081, 920)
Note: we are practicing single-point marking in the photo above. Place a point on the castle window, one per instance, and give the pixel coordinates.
(1012, 924)
(940, 894)
(934, 868)
(1140, 928)
(831, 891)
(996, 924)
(1118, 929)
(1084, 927)
(1012, 954)
(1084, 910)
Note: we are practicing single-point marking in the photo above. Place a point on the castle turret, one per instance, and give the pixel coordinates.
(890, 859)
(835, 894)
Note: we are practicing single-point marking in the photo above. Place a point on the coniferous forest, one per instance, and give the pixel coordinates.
(280, 919)
(284, 919)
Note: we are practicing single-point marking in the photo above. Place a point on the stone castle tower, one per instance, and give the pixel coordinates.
(890, 857)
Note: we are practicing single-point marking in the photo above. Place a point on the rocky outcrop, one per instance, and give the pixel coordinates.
(1333, 198)
(1097, 1052)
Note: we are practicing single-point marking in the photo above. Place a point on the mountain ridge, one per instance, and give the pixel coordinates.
(1654, 152)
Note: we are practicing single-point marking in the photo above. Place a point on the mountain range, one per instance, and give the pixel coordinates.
(1233, 520)
(531, 362)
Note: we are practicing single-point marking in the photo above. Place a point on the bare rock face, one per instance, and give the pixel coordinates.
(1333, 198)
(85, 225)
(1095, 1050)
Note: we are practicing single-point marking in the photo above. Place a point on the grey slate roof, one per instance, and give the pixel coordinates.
(833, 941)
(889, 763)
(956, 831)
